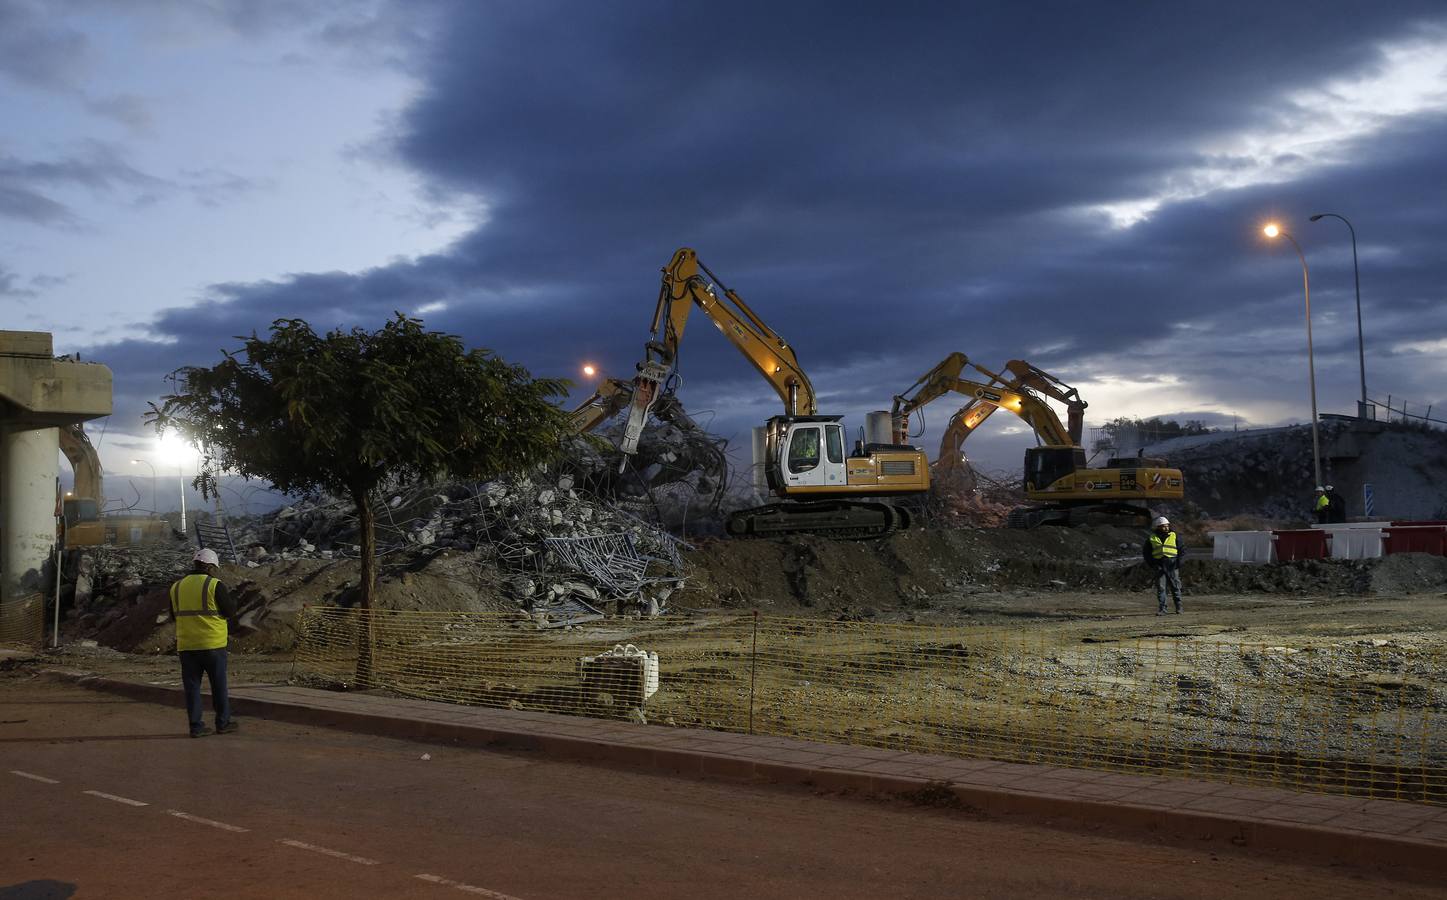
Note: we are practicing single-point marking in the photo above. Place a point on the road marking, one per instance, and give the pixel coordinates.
(212, 822)
(333, 853)
(126, 800)
(40, 778)
(469, 888)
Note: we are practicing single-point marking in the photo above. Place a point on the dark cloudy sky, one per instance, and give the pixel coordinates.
(1078, 184)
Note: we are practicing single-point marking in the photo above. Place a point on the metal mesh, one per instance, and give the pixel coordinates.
(1356, 717)
(22, 621)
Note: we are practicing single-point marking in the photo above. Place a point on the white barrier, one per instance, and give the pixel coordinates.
(1356, 543)
(1243, 546)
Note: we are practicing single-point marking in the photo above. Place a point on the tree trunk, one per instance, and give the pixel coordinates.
(366, 644)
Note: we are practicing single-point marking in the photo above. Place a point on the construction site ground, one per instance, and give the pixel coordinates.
(1074, 584)
(1071, 585)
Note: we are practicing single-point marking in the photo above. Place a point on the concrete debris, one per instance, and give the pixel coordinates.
(512, 523)
(682, 475)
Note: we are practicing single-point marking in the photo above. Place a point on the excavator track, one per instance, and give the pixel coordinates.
(1077, 514)
(840, 519)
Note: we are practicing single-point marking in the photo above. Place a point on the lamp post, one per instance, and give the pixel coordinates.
(155, 510)
(1273, 230)
(181, 473)
(1357, 278)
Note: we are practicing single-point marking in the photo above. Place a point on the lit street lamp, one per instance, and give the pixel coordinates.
(1273, 230)
(1357, 277)
(155, 510)
(174, 449)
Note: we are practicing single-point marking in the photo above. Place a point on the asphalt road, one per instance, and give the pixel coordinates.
(105, 797)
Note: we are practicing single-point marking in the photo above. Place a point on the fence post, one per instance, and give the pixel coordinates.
(753, 670)
(301, 636)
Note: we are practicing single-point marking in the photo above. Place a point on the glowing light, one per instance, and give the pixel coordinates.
(174, 450)
(1271, 230)
(589, 371)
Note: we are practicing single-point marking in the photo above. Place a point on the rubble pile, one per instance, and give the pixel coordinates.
(515, 524)
(682, 475)
(101, 584)
(967, 496)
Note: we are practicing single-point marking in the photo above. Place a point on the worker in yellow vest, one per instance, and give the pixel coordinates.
(1162, 551)
(1322, 505)
(200, 606)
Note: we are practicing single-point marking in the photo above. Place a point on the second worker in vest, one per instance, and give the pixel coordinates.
(1162, 551)
(200, 606)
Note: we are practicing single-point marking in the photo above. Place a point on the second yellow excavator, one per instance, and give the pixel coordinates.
(85, 524)
(823, 488)
(1057, 474)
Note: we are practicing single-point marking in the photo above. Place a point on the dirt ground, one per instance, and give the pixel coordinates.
(1075, 583)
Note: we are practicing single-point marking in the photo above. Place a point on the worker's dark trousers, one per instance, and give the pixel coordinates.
(213, 664)
(1168, 576)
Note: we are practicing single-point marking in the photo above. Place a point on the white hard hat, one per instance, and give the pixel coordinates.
(1320, 488)
(1330, 488)
(1160, 520)
(207, 556)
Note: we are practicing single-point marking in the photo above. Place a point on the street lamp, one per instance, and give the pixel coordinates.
(174, 448)
(1357, 277)
(155, 510)
(1273, 230)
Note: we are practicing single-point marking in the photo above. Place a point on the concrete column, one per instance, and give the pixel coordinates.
(29, 461)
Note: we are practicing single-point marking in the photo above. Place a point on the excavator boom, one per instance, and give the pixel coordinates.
(684, 287)
(997, 393)
(1056, 471)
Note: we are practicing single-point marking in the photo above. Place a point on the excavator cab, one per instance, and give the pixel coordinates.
(1047, 466)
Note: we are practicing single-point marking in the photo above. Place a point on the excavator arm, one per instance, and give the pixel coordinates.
(684, 288)
(985, 398)
(962, 424)
(85, 462)
(607, 401)
(1037, 379)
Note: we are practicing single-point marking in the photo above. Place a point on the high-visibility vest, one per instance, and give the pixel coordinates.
(1164, 549)
(1323, 502)
(199, 622)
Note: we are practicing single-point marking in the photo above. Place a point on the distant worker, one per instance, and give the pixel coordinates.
(1322, 507)
(200, 606)
(1162, 551)
(1336, 510)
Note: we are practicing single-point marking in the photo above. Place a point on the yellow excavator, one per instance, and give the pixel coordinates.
(85, 525)
(974, 413)
(823, 488)
(1057, 475)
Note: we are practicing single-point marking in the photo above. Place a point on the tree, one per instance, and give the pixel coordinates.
(351, 411)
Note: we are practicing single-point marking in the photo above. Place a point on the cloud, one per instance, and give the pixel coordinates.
(30, 190)
(884, 188)
(130, 110)
(10, 285)
(38, 52)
